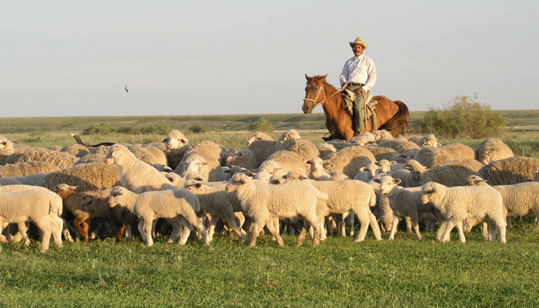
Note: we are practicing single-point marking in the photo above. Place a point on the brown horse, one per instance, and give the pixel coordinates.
(390, 115)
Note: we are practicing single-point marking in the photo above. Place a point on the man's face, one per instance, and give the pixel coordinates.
(358, 50)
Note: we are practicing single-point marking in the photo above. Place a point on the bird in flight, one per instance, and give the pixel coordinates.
(126, 90)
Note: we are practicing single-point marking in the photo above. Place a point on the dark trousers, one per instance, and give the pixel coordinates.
(358, 109)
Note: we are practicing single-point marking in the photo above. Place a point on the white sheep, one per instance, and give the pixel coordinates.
(177, 206)
(176, 146)
(136, 175)
(239, 157)
(319, 173)
(211, 153)
(266, 203)
(458, 203)
(218, 203)
(518, 199)
(262, 146)
(404, 202)
(346, 196)
(37, 206)
(86, 176)
(27, 168)
(349, 160)
(283, 161)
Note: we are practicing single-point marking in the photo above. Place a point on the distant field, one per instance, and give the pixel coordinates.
(232, 130)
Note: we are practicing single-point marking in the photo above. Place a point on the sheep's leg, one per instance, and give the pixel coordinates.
(375, 227)
(342, 224)
(257, 227)
(450, 224)
(211, 226)
(351, 219)
(275, 232)
(44, 227)
(485, 231)
(509, 222)
(148, 230)
(461, 232)
(364, 220)
(81, 226)
(22, 231)
(329, 225)
(2, 225)
(120, 231)
(231, 221)
(56, 227)
(140, 228)
(415, 225)
(501, 227)
(408, 224)
(303, 234)
(315, 223)
(176, 228)
(394, 227)
(441, 230)
(65, 231)
(192, 219)
(186, 231)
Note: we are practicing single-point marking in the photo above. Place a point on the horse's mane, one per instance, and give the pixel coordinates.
(318, 78)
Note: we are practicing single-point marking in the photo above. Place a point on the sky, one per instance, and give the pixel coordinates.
(74, 58)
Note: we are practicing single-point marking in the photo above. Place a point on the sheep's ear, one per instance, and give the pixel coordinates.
(116, 154)
(434, 190)
(198, 185)
(303, 177)
(397, 181)
(308, 162)
(74, 188)
(376, 181)
(393, 162)
(363, 169)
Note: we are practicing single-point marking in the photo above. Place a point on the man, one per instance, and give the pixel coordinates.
(359, 76)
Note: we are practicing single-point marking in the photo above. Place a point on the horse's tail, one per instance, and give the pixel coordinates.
(399, 122)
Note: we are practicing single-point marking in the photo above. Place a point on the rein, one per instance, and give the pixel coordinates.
(325, 97)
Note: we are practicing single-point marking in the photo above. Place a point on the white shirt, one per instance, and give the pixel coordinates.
(360, 70)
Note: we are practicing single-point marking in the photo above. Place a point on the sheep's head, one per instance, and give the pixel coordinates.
(316, 164)
(63, 190)
(295, 176)
(193, 164)
(236, 181)
(257, 137)
(387, 183)
(116, 154)
(289, 134)
(192, 185)
(475, 180)
(175, 140)
(431, 192)
(385, 165)
(116, 196)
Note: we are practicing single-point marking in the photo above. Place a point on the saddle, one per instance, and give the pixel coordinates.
(370, 105)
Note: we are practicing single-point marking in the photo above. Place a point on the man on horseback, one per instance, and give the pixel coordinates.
(359, 76)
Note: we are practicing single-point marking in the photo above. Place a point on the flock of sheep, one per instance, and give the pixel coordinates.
(276, 186)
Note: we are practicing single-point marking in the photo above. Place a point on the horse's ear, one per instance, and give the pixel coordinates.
(308, 78)
(323, 78)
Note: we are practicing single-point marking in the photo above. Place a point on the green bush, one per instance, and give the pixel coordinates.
(463, 117)
(195, 128)
(106, 129)
(262, 125)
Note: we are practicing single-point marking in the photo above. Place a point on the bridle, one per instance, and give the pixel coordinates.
(318, 94)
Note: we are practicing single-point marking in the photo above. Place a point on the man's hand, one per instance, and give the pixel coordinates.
(360, 91)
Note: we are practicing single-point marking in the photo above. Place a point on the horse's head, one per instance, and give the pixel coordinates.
(314, 92)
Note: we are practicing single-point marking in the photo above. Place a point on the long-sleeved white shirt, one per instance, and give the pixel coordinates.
(360, 70)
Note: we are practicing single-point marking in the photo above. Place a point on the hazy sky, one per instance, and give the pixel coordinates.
(67, 58)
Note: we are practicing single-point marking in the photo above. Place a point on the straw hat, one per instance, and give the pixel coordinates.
(359, 41)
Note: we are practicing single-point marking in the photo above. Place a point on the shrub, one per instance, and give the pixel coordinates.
(106, 129)
(199, 129)
(262, 125)
(463, 117)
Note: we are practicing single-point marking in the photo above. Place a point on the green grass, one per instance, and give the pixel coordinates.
(339, 273)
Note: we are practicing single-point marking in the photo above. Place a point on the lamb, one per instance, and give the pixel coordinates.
(37, 206)
(404, 202)
(518, 199)
(211, 154)
(350, 195)
(363, 139)
(319, 173)
(197, 164)
(264, 203)
(382, 135)
(304, 148)
(458, 203)
(27, 168)
(85, 176)
(92, 204)
(349, 160)
(239, 157)
(177, 206)
(492, 149)
(176, 145)
(218, 203)
(426, 141)
(149, 153)
(412, 175)
(136, 175)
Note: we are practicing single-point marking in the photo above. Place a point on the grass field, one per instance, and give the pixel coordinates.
(339, 273)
